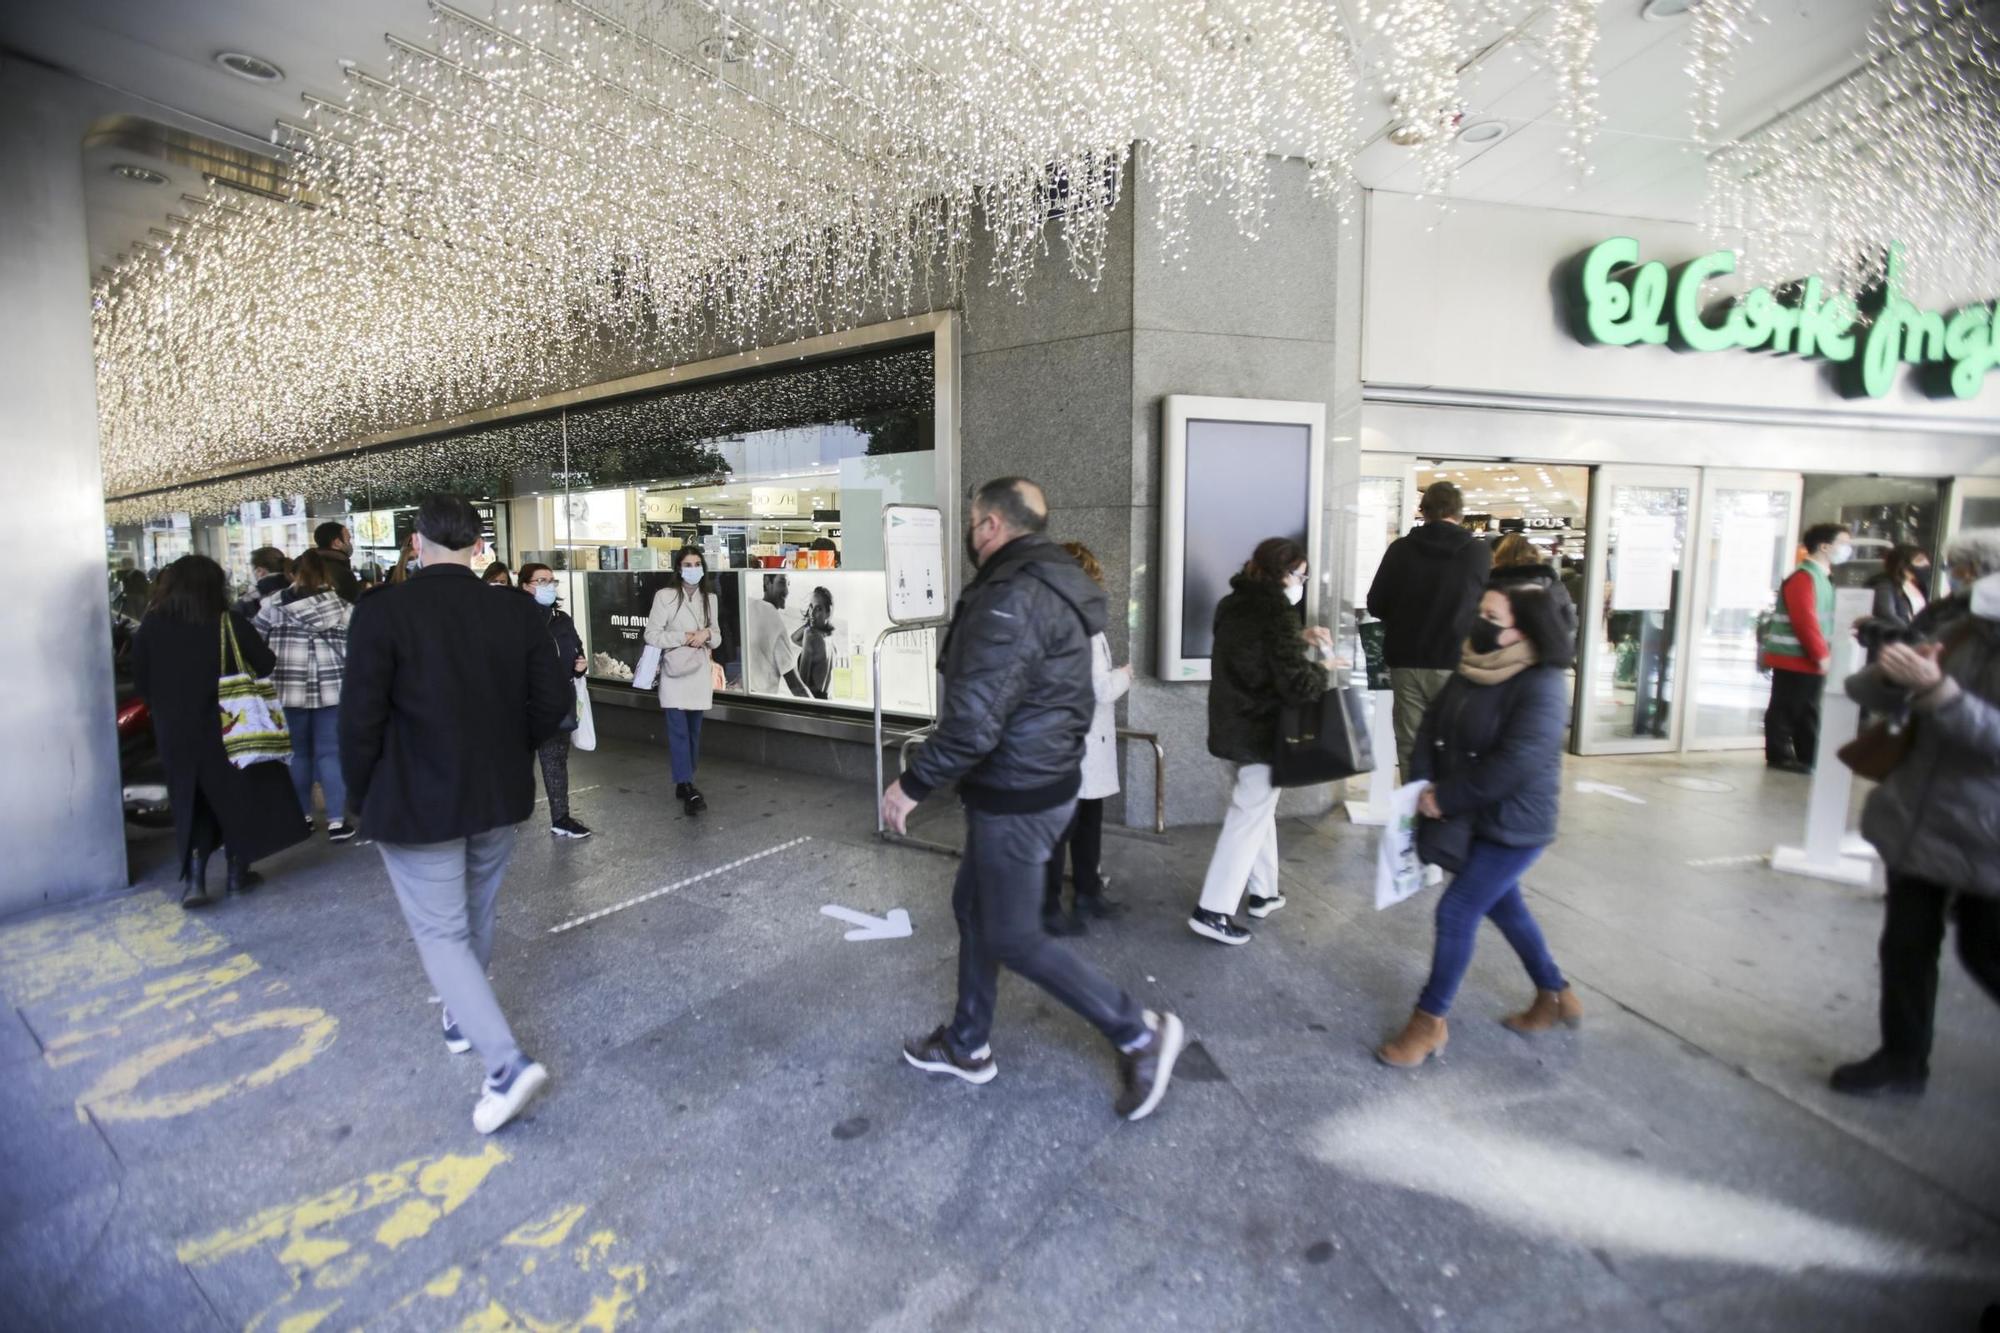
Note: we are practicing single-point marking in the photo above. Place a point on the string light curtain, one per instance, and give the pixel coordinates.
(527, 198)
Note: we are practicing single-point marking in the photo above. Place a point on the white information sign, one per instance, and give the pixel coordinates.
(1745, 550)
(913, 556)
(1644, 576)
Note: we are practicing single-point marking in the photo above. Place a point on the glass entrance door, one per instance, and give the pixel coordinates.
(1748, 524)
(1635, 601)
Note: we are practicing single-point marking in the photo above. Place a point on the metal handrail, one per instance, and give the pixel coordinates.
(1159, 774)
(875, 676)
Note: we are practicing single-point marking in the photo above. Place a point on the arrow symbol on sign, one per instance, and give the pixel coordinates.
(894, 926)
(1606, 789)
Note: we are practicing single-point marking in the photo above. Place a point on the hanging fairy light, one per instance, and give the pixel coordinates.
(567, 191)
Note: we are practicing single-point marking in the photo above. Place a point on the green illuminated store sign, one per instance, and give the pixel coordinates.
(1619, 302)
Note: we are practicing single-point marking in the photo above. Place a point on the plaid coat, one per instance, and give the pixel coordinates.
(309, 637)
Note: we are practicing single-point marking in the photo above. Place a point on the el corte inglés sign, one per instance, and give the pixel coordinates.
(1619, 302)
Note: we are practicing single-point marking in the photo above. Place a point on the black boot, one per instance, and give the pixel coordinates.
(694, 802)
(241, 878)
(194, 884)
(1881, 1072)
(681, 790)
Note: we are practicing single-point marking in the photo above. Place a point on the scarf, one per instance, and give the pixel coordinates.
(1498, 665)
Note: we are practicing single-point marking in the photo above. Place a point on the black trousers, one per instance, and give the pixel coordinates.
(997, 899)
(1912, 934)
(554, 754)
(1791, 723)
(1082, 844)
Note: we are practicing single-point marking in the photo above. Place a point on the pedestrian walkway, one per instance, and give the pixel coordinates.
(247, 1116)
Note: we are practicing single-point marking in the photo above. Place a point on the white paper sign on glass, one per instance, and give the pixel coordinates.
(1644, 577)
(1744, 562)
(913, 555)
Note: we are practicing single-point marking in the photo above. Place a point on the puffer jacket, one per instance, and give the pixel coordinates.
(1937, 816)
(1494, 753)
(1017, 699)
(309, 636)
(1546, 578)
(1259, 665)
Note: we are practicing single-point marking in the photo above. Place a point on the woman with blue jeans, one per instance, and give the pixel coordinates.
(683, 625)
(1491, 749)
(306, 626)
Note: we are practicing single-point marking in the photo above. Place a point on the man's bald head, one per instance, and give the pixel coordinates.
(1016, 502)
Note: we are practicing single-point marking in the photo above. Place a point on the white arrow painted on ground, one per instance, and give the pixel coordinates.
(894, 926)
(1606, 789)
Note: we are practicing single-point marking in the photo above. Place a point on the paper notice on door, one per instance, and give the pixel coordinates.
(1746, 575)
(1643, 573)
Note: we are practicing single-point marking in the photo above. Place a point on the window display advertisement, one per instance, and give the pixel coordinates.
(807, 634)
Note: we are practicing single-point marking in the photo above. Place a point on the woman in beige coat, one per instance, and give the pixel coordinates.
(685, 627)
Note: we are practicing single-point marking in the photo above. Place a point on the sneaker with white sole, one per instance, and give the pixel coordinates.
(1144, 1073)
(934, 1053)
(566, 827)
(1215, 926)
(1263, 907)
(454, 1040)
(340, 831)
(501, 1100)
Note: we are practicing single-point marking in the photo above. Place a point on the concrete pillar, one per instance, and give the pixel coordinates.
(61, 826)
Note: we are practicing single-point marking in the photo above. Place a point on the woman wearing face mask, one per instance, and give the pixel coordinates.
(1262, 660)
(1969, 557)
(1935, 820)
(1491, 748)
(497, 575)
(539, 582)
(683, 626)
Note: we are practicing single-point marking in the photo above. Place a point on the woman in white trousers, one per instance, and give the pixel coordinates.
(1263, 659)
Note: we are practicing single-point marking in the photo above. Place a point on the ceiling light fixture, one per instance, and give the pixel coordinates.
(246, 66)
(1663, 11)
(1483, 131)
(137, 174)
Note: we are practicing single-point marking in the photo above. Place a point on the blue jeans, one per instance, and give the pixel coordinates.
(1489, 886)
(316, 754)
(684, 741)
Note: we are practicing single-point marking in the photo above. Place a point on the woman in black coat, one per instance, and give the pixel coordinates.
(176, 660)
(539, 582)
(1516, 560)
(1262, 660)
(1491, 749)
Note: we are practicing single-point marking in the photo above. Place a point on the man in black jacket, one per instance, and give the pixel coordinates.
(449, 690)
(332, 540)
(1426, 592)
(1015, 705)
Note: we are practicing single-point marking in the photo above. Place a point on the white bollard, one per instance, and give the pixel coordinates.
(1374, 812)
(1828, 851)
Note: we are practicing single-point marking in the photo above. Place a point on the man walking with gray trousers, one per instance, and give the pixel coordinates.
(449, 691)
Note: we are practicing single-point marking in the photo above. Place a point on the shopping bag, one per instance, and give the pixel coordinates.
(1398, 870)
(1323, 741)
(585, 735)
(647, 674)
(253, 722)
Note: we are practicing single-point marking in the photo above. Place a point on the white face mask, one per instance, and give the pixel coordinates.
(1986, 597)
(690, 574)
(1843, 553)
(1295, 591)
(545, 593)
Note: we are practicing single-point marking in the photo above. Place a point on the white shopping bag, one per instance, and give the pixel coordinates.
(585, 735)
(1398, 871)
(647, 674)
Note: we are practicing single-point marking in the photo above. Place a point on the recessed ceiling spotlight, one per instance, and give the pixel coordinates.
(1407, 135)
(138, 174)
(246, 66)
(1663, 11)
(1483, 131)
(731, 50)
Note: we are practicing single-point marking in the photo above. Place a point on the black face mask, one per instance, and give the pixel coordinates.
(1485, 636)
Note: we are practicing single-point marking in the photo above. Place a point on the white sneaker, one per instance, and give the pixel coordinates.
(1433, 876)
(499, 1103)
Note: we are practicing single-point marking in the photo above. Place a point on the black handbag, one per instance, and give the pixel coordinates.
(1323, 741)
(1444, 843)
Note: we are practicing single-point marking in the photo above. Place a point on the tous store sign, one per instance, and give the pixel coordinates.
(1616, 301)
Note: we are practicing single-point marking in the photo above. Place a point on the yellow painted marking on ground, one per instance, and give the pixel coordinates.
(445, 1283)
(307, 1321)
(92, 947)
(104, 1018)
(112, 1096)
(548, 1233)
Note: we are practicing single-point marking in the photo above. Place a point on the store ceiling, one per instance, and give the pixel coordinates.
(1516, 490)
(1646, 164)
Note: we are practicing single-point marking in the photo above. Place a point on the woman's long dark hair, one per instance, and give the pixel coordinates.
(1540, 621)
(1274, 560)
(1896, 564)
(193, 588)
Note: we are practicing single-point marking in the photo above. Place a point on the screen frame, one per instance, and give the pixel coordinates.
(1176, 411)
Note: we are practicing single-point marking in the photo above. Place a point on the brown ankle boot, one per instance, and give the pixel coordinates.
(1421, 1038)
(1550, 1008)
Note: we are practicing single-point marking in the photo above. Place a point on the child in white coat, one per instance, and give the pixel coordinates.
(1083, 842)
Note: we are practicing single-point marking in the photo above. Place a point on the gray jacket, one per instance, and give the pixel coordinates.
(1937, 817)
